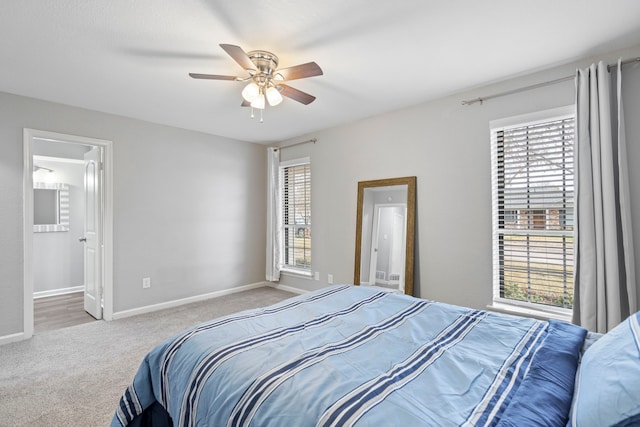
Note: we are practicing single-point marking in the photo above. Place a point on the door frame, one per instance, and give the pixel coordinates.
(107, 219)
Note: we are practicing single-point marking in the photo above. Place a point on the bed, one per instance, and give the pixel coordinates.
(353, 355)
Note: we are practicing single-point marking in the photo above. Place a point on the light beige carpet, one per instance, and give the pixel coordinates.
(75, 376)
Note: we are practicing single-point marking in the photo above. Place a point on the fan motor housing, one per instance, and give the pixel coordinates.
(266, 62)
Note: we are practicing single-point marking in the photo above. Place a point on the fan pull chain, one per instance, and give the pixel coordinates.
(252, 115)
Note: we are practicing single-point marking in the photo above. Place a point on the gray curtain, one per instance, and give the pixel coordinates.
(274, 236)
(604, 274)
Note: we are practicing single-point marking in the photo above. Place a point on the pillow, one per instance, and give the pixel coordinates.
(608, 382)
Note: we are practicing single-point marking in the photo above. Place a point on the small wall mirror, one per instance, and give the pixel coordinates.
(385, 234)
(50, 207)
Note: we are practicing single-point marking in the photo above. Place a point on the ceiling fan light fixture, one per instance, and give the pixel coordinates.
(250, 92)
(258, 102)
(273, 96)
(265, 81)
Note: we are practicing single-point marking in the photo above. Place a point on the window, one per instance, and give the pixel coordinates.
(510, 216)
(295, 179)
(533, 199)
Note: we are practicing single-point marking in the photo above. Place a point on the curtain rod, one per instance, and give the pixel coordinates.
(297, 143)
(481, 99)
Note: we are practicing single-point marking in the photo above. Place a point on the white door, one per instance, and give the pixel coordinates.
(373, 259)
(398, 244)
(387, 247)
(93, 233)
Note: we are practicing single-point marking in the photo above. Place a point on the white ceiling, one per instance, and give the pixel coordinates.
(132, 58)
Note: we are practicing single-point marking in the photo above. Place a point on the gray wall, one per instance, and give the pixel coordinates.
(188, 207)
(446, 145)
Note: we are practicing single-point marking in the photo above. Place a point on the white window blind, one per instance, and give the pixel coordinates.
(296, 216)
(533, 202)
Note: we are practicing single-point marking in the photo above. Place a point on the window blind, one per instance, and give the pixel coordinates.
(296, 216)
(533, 193)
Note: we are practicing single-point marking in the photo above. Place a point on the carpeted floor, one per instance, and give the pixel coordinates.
(75, 376)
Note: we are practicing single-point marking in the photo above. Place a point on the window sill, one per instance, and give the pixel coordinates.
(517, 310)
(296, 273)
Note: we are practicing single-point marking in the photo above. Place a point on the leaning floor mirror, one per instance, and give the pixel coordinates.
(385, 234)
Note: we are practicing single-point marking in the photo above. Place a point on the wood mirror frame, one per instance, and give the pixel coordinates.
(410, 182)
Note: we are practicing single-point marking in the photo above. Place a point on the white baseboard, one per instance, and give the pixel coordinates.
(12, 338)
(54, 292)
(155, 307)
(183, 301)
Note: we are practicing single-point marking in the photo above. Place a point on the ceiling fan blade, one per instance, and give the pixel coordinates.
(301, 71)
(212, 76)
(245, 104)
(296, 95)
(239, 55)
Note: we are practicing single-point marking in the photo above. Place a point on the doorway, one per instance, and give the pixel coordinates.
(85, 229)
(387, 258)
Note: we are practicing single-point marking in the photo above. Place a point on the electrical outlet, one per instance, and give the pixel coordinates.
(146, 282)
(330, 279)
(316, 275)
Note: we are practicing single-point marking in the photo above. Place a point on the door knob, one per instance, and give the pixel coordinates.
(82, 239)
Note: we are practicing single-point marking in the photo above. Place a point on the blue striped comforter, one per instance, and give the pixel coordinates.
(351, 355)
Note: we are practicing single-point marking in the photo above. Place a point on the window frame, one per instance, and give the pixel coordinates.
(284, 267)
(499, 302)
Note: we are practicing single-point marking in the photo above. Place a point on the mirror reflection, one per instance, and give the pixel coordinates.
(45, 206)
(384, 234)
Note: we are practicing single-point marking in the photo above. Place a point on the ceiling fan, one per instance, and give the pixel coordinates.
(266, 81)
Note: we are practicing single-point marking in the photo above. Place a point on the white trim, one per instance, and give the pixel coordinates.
(284, 267)
(58, 159)
(533, 118)
(107, 267)
(529, 312)
(183, 301)
(12, 338)
(295, 162)
(27, 235)
(56, 292)
(503, 304)
(297, 272)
